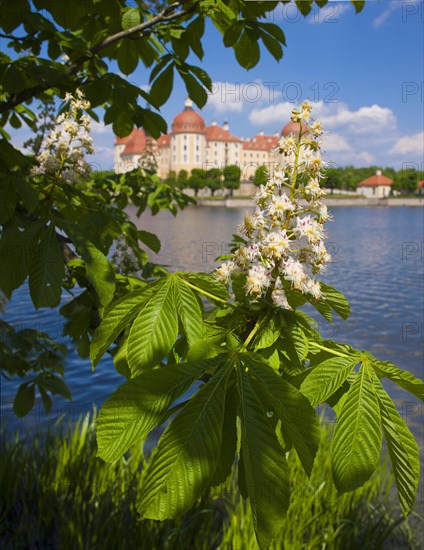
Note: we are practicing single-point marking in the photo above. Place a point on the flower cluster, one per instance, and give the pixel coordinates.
(65, 147)
(284, 237)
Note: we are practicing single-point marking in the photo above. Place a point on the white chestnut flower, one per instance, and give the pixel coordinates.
(224, 272)
(258, 279)
(276, 244)
(280, 204)
(309, 228)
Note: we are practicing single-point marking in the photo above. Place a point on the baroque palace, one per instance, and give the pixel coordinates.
(192, 144)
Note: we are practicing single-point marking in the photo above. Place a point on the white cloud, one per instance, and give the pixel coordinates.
(369, 127)
(383, 17)
(364, 121)
(363, 157)
(278, 112)
(225, 97)
(334, 143)
(412, 144)
(233, 96)
(100, 127)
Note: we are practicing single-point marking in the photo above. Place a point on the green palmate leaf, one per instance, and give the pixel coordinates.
(17, 246)
(336, 300)
(247, 51)
(268, 334)
(163, 61)
(128, 57)
(275, 31)
(299, 421)
(404, 379)
(130, 18)
(272, 45)
(299, 340)
(195, 91)
(359, 4)
(326, 377)
(186, 457)
(197, 27)
(264, 466)
(120, 357)
(28, 195)
(180, 45)
(207, 285)
(202, 75)
(8, 199)
(56, 385)
(121, 313)
(322, 307)
(46, 399)
(336, 401)
(356, 442)
(153, 123)
(308, 324)
(162, 87)
(138, 406)
(403, 449)
(122, 124)
(232, 34)
(154, 331)
(228, 447)
(150, 240)
(304, 6)
(24, 399)
(203, 349)
(294, 298)
(189, 311)
(100, 272)
(46, 271)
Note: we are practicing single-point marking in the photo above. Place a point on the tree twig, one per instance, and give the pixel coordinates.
(165, 15)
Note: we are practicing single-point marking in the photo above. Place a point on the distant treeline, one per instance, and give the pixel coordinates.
(342, 178)
(348, 177)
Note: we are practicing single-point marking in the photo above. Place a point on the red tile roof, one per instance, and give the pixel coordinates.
(216, 133)
(293, 128)
(164, 140)
(373, 181)
(136, 143)
(187, 122)
(261, 143)
(123, 140)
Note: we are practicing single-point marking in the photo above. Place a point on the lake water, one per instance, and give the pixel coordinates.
(378, 265)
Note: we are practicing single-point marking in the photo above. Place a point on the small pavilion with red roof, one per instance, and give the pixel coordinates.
(375, 187)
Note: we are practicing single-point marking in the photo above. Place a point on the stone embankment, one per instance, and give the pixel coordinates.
(245, 203)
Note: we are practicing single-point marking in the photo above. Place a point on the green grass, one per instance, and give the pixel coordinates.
(57, 494)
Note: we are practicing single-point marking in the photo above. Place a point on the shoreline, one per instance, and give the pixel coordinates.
(373, 203)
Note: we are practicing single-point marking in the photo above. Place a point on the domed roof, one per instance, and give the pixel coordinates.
(188, 121)
(293, 128)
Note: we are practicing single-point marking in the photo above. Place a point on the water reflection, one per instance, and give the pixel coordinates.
(378, 265)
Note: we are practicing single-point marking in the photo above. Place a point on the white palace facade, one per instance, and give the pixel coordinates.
(192, 144)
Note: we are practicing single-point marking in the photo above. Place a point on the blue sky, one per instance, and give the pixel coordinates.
(365, 73)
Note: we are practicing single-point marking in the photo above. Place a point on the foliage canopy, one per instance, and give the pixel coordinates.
(252, 358)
